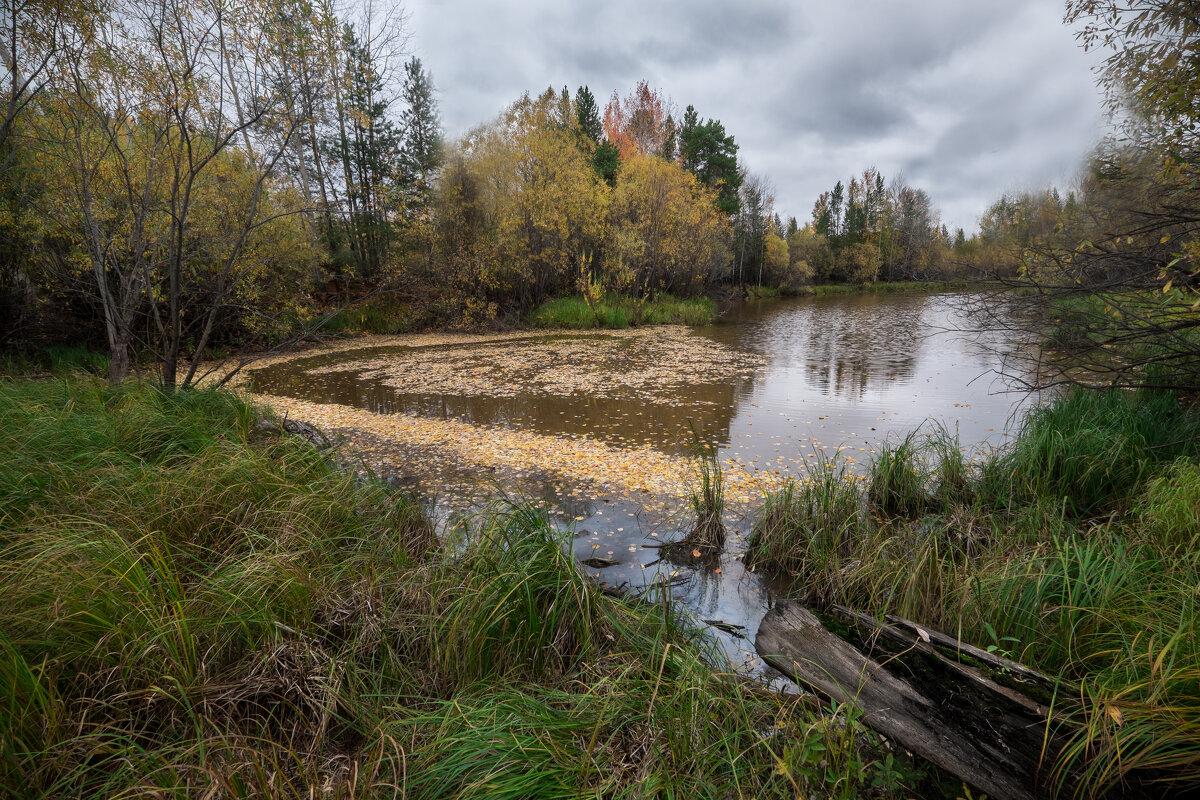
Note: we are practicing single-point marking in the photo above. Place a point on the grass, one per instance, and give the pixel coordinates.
(193, 607)
(380, 315)
(622, 312)
(54, 359)
(706, 539)
(1073, 550)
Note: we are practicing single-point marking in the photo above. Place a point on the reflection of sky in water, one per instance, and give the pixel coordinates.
(851, 370)
(838, 371)
(843, 370)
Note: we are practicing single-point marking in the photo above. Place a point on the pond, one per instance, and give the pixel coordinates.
(599, 426)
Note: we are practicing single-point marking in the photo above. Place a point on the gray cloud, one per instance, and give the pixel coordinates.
(966, 100)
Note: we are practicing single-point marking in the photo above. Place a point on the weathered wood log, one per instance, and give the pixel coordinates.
(995, 737)
(310, 433)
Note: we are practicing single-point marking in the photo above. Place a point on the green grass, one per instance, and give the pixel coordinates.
(193, 607)
(622, 312)
(378, 316)
(1093, 449)
(54, 359)
(1073, 550)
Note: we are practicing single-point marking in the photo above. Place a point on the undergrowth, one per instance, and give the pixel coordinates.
(1072, 550)
(191, 607)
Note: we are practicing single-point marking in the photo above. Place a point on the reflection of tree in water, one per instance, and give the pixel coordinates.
(853, 347)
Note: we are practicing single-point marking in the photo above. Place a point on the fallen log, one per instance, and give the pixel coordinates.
(295, 427)
(999, 737)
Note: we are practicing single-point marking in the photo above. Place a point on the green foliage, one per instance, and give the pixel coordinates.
(421, 145)
(711, 155)
(809, 522)
(613, 311)
(1072, 550)
(896, 482)
(1169, 509)
(1091, 449)
(587, 114)
(707, 500)
(378, 316)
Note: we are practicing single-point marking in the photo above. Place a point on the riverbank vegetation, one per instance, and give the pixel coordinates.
(614, 311)
(1073, 550)
(194, 605)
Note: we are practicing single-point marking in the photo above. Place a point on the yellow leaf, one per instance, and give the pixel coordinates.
(1166, 238)
(1116, 715)
(1167, 288)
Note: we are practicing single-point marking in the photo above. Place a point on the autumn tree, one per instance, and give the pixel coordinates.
(637, 124)
(535, 207)
(148, 129)
(1117, 279)
(665, 228)
(1149, 72)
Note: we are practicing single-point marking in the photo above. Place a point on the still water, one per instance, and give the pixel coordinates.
(774, 386)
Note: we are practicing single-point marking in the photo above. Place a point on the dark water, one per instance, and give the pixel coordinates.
(825, 373)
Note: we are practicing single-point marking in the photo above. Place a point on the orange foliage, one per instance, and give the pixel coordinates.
(637, 124)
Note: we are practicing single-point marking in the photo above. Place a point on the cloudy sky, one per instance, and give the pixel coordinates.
(963, 98)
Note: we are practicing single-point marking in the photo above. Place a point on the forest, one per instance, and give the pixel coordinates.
(183, 176)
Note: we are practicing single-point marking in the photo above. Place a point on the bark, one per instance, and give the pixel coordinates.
(1001, 739)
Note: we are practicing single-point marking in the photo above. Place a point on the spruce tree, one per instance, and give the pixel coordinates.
(421, 150)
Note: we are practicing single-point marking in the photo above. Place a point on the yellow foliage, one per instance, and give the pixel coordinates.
(664, 227)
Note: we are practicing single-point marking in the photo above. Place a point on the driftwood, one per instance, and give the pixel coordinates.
(309, 433)
(981, 718)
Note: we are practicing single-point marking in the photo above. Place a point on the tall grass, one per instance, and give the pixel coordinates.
(191, 607)
(1092, 449)
(614, 311)
(1072, 550)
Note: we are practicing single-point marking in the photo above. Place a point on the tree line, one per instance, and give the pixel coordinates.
(177, 174)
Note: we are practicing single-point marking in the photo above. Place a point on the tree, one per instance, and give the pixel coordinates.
(31, 34)
(664, 228)
(606, 157)
(521, 208)
(1116, 280)
(588, 115)
(636, 125)
(756, 206)
(1151, 68)
(421, 132)
(367, 146)
(857, 263)
(706, 151)
(142, 129)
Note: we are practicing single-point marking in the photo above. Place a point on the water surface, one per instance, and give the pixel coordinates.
(774, 386)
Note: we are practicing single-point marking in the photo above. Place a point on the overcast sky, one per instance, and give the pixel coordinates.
(963, 98)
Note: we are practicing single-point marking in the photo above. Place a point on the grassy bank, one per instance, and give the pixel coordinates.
(190, 606)
(615, 311)
(1076, 551)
